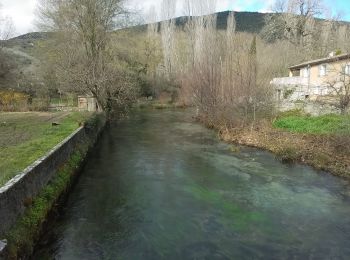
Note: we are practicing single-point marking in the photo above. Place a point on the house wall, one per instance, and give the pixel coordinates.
(82, 103)
(88, 104)
(334, 71)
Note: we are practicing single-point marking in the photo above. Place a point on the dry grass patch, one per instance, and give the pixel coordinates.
(328, 152)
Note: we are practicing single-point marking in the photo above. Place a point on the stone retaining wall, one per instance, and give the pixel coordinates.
(30, 182)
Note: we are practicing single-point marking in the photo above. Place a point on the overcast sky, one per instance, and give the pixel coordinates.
(22, 12)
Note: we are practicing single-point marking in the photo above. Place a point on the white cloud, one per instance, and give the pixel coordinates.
(21, 12)
(145, 6)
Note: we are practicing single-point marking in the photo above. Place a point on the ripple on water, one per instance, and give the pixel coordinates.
(159, 186)
(203, 250)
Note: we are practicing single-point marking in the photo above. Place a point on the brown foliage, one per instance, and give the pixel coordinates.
(323, 152)
(13, 101)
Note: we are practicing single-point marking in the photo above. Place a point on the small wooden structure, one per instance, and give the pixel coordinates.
(88, 103)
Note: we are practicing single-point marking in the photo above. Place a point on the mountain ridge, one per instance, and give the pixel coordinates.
(251, 22)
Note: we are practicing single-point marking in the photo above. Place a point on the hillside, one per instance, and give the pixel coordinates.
(251, 22)
(246, 22)
(25, 54)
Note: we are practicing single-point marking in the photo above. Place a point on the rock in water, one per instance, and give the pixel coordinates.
(3, 244)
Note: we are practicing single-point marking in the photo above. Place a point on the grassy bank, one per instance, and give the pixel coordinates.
(326, 124)
(25, 137)
(24, 234)
(321, 142)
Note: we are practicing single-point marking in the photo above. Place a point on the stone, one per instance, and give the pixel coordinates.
(3, 244)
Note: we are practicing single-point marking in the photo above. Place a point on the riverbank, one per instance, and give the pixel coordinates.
(324, 151)
(35, 193)
(25, 137)
(158, 104)
(321, 142)
(160, 186)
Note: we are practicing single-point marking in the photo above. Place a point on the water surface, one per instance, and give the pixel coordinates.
(159, 186)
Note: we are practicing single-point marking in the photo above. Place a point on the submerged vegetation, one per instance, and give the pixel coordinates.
(22, 237)
(241, 218)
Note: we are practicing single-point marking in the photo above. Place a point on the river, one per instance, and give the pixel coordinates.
(160, 186)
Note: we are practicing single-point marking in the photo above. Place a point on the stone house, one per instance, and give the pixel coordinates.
(312, 82)
(88, 103)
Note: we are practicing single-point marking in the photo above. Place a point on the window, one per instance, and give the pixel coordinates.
(347, 69)
(305, 72)
(318, 91)
(296, 73)
(323, 70)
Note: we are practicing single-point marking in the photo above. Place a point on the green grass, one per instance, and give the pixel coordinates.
(25, 137)
(326, 124)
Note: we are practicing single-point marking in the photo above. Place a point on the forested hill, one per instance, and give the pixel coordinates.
(246, 22)
(251, 22)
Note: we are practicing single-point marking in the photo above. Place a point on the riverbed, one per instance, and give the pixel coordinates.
(160, 186)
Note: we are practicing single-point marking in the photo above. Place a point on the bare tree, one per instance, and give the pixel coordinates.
(334, 36)
(294, 21)
(168, 28)
(228, 69)
(339, 86)
(153, 54)
(279, 6)
(7, 64)
(222, 72)
(7, 28)
(86, 58)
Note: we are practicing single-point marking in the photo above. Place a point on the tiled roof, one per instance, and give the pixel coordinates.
(320, 61)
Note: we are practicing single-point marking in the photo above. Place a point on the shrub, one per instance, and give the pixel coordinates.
(13, 101)
(293, 112)
(287, 93)
(288, 154)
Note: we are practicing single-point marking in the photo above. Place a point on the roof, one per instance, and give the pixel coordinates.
(320, 61)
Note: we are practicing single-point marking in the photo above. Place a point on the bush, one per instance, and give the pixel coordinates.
(287, 93)
(293, 112)
(288, 154)
(13, 101)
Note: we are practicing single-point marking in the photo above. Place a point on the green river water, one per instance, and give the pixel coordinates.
(160, 186)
